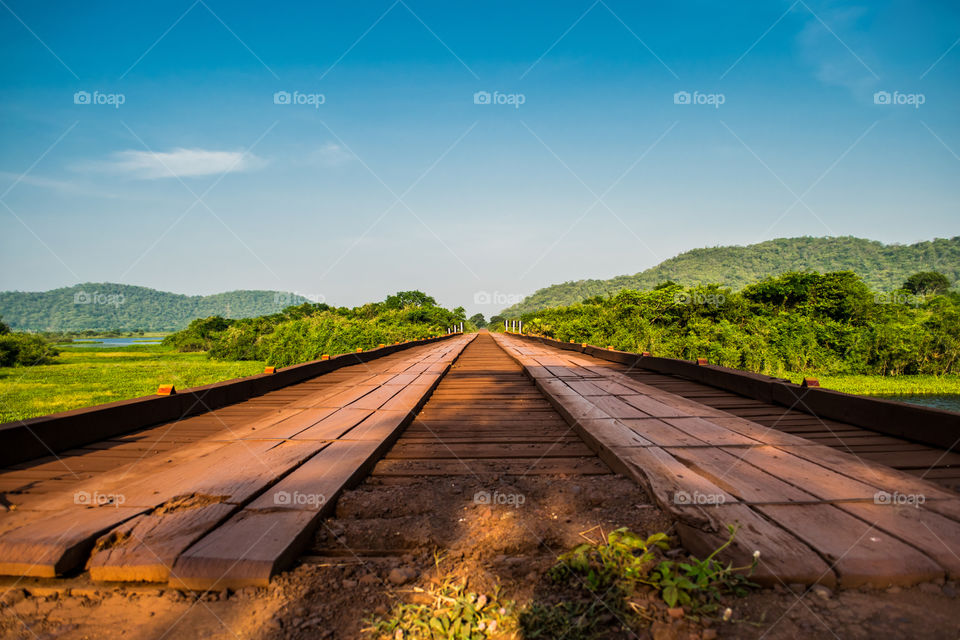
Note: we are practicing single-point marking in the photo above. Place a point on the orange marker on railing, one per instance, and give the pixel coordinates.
(702, 361)
(609, 347)
(583, 345)
(325, 356)
(359, 350)
(382, 345)
(645, 353)
(270, 370)
(810, 382)
(166, 390)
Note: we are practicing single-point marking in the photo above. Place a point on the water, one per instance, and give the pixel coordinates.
(950, 402)
(114, 342)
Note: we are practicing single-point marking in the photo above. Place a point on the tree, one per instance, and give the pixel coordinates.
(926, 283)
(405, 299)
(4, 329)
(478, 321)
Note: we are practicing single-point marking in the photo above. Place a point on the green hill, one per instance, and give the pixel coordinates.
(105, 306)
(883, 267)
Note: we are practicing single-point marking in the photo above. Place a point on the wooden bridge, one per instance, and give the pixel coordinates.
(223, 486)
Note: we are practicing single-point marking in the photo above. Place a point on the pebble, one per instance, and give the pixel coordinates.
(369, 579)
(894, 589)
(349, 584)
(401, 576)
(675, 612)
(822, 591)
(709, 634)
(797, 588)
(663, 631)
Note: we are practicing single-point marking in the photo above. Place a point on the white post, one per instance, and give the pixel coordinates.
(521, 325)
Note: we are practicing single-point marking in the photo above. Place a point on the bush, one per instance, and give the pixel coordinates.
(797, 322)
(24, 349)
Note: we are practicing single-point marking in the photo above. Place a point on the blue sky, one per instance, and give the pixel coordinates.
(383, 172)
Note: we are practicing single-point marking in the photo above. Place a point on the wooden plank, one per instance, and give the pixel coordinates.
(268, 534)
(144, 548)
(50, 546)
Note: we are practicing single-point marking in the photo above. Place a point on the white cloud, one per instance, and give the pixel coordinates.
(331, 155)
(179, 163)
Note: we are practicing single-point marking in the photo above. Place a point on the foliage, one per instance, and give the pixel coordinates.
(882, 267)
(615, 577)
(105, 306)
(927, 282)
(798, 322)
(477, 320)
(24, 350)
(305, 332)
(447, 610)
(702, 583)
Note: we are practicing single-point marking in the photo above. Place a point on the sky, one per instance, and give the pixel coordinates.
(475, 151)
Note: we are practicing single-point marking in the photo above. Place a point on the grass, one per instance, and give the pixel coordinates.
(446, 610)
(622, 582)
(85, 376)
(887, 385)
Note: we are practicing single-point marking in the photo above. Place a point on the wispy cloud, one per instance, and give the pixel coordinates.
(331, 155)
(62, 186)
(178, 163)
(829, 43)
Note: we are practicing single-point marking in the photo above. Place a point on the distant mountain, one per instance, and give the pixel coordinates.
(105, 306)
(883, 267)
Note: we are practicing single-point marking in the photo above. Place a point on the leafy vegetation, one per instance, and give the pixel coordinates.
(830, 324)
(621, 583)
(632, 579)
(84, 376)
(307, 331)
(23, 349)
(882, 267)
(105, 306)
(447, 610)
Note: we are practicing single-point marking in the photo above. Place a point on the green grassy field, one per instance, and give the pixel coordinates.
(85, 376)
(887, 385)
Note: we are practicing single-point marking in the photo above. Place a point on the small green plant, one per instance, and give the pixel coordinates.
(680, 582)
(447, 611)
(624, 558)
(624, 561)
